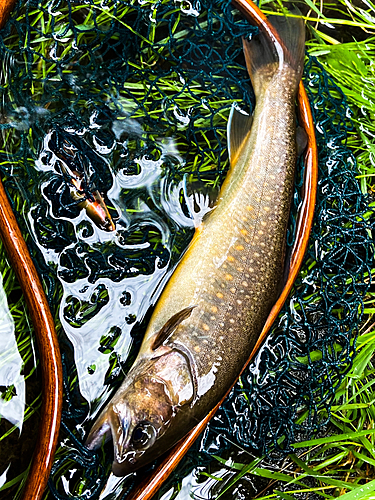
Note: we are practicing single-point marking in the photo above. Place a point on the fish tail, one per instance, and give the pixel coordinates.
(265, 56)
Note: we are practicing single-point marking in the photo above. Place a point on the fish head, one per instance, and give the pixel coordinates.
(139, 416)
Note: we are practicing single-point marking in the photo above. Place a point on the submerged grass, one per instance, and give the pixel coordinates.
(342, 463)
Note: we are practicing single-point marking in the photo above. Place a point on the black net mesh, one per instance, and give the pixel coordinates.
(124, 106)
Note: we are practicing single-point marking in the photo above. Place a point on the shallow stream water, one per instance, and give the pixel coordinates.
(129, 102)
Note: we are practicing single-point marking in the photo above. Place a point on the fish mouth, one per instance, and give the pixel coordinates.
(113, 426)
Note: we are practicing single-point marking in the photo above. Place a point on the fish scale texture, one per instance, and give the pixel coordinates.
(113, 78)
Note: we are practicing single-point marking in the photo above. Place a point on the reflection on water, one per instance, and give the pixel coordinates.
(113, 487)
(109, 278)
(12, 382)
(19, 385)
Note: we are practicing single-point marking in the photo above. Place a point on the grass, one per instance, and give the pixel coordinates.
(339, 464)
(342, 465)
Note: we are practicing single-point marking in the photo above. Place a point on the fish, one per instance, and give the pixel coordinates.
(92, 202)
(213, 308)
(74, 169)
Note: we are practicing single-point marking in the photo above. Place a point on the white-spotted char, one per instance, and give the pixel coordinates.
(213, 308)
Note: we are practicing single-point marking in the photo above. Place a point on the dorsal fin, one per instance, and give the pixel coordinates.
(239, 126)
(170, 326)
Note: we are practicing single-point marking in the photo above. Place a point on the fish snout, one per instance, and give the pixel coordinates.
(99, 434)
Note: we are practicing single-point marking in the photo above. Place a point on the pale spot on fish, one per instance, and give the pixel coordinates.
(256, 254)
(219, 295)
(205, 327)
(244, 232)
(239, 248)
(239, 302)
(197, 348)
(233, 290)
(212, 318)
(249, 208)
(267, 209)
(228, 277)
(245, 283)
(231, 320)
(251, 270)
(230, 258)
(214, 309)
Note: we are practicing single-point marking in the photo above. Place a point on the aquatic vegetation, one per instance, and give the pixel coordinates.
(152, 116)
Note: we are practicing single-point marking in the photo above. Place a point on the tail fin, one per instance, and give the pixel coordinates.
(264, 57)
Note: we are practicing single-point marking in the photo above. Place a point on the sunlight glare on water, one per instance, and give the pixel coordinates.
(93, 306)
(12, 408)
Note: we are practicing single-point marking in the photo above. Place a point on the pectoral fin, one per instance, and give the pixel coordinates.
(170, 326)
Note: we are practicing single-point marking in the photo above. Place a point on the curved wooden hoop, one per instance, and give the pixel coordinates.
(50, 358)
(152, 483)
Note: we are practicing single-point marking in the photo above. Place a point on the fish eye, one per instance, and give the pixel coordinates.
(144, 434)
